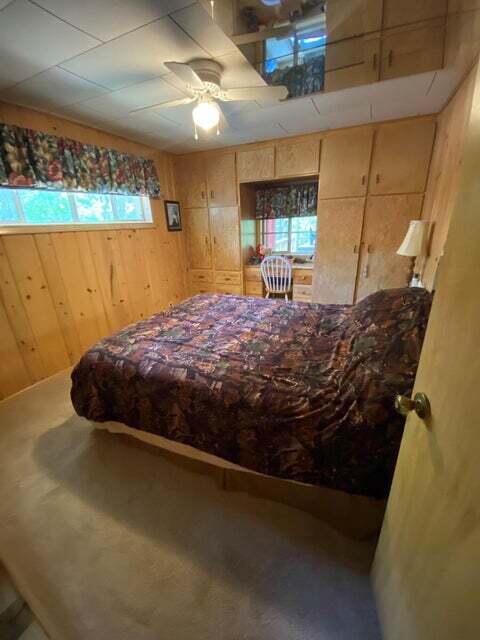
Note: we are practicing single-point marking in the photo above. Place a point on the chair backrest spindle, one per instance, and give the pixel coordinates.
(276, 274)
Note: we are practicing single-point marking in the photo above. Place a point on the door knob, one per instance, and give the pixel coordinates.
(420, 404)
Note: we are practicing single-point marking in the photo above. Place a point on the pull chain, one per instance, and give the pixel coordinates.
(195, 128)
(212, 5)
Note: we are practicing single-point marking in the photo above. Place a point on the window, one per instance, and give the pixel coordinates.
(290, 235)
(30, 207)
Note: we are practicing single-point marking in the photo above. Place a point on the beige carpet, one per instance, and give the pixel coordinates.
(109, 540)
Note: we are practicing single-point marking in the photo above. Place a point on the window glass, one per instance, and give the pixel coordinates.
(128, 208)
(8, 212)
(45, 207)
(290, 235)
(94, 207)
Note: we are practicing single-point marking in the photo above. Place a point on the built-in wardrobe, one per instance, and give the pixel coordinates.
(371, 183)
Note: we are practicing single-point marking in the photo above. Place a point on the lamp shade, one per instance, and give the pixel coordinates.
(414, 242)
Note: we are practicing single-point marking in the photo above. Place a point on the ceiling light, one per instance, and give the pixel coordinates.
(206, 115)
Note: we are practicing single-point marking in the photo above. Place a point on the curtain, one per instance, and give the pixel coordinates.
(290, 201)
(301, 79)
(34, 159)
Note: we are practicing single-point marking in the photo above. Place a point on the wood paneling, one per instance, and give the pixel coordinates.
(339, 234)
(256, 164)
(444, 176)
(191, 180)
(426, 576)
(345, 163)
(297, 158)
(401, 157)
(385, 225)
(61, 292)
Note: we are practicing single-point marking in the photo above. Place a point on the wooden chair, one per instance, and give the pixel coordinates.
(277, 275)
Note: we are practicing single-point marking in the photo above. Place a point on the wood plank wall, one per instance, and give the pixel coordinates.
(61, 292)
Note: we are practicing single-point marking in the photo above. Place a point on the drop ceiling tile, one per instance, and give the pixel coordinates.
(81, 113)
(3, 3)
(137, 56)
(198, 23)
(32, 40)
(120, 103)
(53, 88)
(238, 72)
(403, 89)
(107, 20)
(444, 85)
(392, 109)
(284, 112)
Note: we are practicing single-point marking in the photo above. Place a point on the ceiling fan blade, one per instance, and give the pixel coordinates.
(161, 105)
(256, 93)
(185, 73)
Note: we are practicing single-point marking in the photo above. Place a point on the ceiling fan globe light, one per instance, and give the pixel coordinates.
(206, 115)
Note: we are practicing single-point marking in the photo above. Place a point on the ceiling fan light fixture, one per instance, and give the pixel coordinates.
(206, 115)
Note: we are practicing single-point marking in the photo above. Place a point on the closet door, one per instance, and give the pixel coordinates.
(224, 225)
(297, 158)
(396, 13)
(401, 157)
(197, 232)
(385, 226)
(221, 178)
(345, 163)
(339, 231)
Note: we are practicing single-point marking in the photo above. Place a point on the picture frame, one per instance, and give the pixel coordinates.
(173, 215)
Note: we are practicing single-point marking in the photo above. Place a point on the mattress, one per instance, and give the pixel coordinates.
(294, 390)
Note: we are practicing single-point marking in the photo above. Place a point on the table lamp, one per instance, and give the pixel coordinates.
(413, 245)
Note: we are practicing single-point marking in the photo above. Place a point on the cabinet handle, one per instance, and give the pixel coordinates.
(214, 240)
(369, 248)
(377, 178)
(203, 195)
(227, 279)
(363, 179)
(374, 62)
(366, 271)
(355, 248)
(206, 240)
(212, 194)
(390, 57)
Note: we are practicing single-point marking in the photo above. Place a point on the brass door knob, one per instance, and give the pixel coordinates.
(420, 404)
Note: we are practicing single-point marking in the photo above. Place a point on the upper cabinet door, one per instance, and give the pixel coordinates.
(191, 181)
(345, 163)
(225, 230)
(386, 223)
(197, 233)
(398, 12)
(297, 158)
(256, 164)
(221, 179)
(401, 157)
(339, 231)
(352, 18)
(414, 49)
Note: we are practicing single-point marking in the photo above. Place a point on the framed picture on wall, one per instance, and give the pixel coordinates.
(172, 213)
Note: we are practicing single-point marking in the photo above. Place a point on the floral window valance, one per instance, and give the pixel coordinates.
(34, 159)
(287, 201)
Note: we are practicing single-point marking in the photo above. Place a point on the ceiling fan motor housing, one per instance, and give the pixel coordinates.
(209, 71)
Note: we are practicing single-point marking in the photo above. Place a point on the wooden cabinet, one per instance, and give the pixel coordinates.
(413, 49)
(191, 181)
(401, 157)
(302, 293)
(224, 224)
(345, 163)
(397, 12)
(256, 164)
(339, 232)
(352, 18)
(386, 222)
(197, 235)
(297, 158)
(363, 69)
(221, 180)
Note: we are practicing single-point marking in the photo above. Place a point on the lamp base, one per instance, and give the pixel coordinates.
(416, 281)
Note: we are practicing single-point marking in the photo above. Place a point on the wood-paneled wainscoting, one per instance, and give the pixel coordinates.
(60, 292)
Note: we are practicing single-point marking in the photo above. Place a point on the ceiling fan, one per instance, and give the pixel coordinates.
(202, 82)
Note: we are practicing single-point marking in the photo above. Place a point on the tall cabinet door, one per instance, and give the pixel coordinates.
(197, 232)
(350, 150)
(385, 226)
(225, 231)
(339, 231)
(401, 157)
(221, 179)
(191, 180)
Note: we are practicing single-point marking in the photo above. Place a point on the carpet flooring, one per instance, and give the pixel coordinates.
(106, 539)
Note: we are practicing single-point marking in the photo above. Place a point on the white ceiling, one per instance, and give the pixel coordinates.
(94, 61)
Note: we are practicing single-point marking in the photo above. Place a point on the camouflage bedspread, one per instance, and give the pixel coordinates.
(295, 390)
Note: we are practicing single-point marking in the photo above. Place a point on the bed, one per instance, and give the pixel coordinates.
(297, 391)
